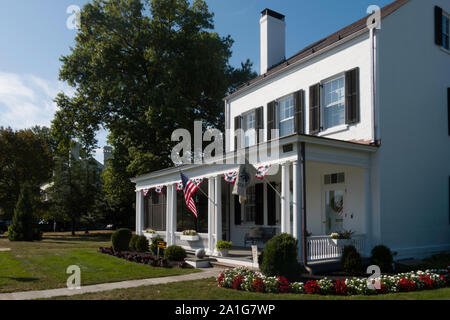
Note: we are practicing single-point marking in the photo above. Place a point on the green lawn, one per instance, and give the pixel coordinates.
(207, 290)
(42, 265)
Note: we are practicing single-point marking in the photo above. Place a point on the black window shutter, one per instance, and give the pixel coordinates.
(270, 119)
(448, 108)
(271, 206)
(259, 124)
(237, 211)
(314, 109)
(259, 196)
(237, 126)
(299, 112)
(438, 25)
(352, 96)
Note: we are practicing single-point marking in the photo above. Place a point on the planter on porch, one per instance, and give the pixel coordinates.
(223, 252)
(189, 238)
(341, 242)
(150, 235)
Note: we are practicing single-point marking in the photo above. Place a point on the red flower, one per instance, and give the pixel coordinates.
(220, 279)
(237, 281)
(406, 285)
(283, 285)
(427, 281)
(258, 285)
(312, 287)
(340, 287)
(383, 288)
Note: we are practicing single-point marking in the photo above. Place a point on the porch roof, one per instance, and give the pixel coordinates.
(206, 170)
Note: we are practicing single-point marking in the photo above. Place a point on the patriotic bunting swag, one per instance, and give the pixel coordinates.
(145, 192)
(180, 186)
(159, 189)
(189, 189)
(262, 171)
(230, 177)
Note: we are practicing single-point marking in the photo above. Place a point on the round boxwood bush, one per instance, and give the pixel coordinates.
(121, 239)
(279, 258)
(132, 244)
(351, 260)
(382, 257)
(154, 246)
(142, 244)
(175, 253)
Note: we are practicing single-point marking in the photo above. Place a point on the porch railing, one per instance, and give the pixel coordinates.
(321, 248)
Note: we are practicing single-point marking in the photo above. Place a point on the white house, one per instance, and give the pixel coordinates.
(364, 143)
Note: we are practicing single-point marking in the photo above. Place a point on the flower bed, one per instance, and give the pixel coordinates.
(143, 258)
(253, 281)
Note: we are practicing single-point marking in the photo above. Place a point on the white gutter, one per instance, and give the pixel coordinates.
(373, 82)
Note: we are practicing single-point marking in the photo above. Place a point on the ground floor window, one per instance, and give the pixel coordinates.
(186, 219)
(250, 206)
(155, 211)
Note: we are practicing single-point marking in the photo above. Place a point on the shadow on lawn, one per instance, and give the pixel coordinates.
(76, 238)
(22, 279)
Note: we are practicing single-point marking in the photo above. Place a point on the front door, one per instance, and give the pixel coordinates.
(334, 210)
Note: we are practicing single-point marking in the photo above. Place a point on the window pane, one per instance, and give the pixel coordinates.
(334, 92)
(250, 205)
(334, 116)
(286, 128)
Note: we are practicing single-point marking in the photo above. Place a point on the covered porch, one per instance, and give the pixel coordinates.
(315, 187)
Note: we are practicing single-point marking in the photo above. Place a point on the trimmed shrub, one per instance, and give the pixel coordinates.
(175, 253)
(351, 260)
(279, 258)
(382, 257)
(132, 244)
(23, 226)
(154, 246)
(142, 244)
(120, 239)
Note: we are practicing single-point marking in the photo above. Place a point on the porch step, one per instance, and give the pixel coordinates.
(230, 265)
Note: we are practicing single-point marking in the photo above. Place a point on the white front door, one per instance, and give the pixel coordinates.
(334, 206)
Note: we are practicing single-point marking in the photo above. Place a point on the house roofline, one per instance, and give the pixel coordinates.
(316, 49)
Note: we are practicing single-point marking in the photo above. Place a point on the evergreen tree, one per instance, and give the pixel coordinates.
(23, 226)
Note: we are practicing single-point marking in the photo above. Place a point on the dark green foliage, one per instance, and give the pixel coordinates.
(154, 246)
(23, 226)
(121, 239)
(142, 244)
(382, 257)
(175, 253)
(133, 242)
(279, 257)
(351, 260)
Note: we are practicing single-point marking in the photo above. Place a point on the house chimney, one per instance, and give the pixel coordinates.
(273, 39)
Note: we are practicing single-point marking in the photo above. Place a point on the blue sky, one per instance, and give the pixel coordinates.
(34, 35)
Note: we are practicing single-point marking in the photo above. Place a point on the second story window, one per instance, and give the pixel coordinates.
(334, 103)
(286, 115)
(445, 31)
(249, 120)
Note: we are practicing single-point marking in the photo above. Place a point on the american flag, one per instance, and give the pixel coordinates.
(189, 189)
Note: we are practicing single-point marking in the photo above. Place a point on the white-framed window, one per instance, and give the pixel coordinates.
(334, 102)
(249, 126)
(286, 115)
(445, 31)
(250, 206)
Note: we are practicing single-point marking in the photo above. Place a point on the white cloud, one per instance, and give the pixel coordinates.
(27, 100)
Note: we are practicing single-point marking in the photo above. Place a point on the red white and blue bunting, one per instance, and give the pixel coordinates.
(198, 181)
(262, 171)
(230, 177)
(159, 189)
(145, 192)
(180, 186)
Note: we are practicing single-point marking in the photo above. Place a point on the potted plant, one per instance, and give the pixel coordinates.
(150, 233)
(341, 239)
(189, 235)
(223, 247)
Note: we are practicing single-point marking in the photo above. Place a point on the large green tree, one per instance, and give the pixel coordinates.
(25, 158)
(142, 69)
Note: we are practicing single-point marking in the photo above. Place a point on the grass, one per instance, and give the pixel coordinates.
(42, 265)
(207, 289)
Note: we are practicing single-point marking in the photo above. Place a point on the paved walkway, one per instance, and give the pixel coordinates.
(30, 295)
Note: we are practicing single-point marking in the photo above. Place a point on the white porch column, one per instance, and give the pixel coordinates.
(368, 211)
(211, 209)
(218, 210)
(173, 224)
(139, 212)
(168, 212)
(285, 199)
(297, 190)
